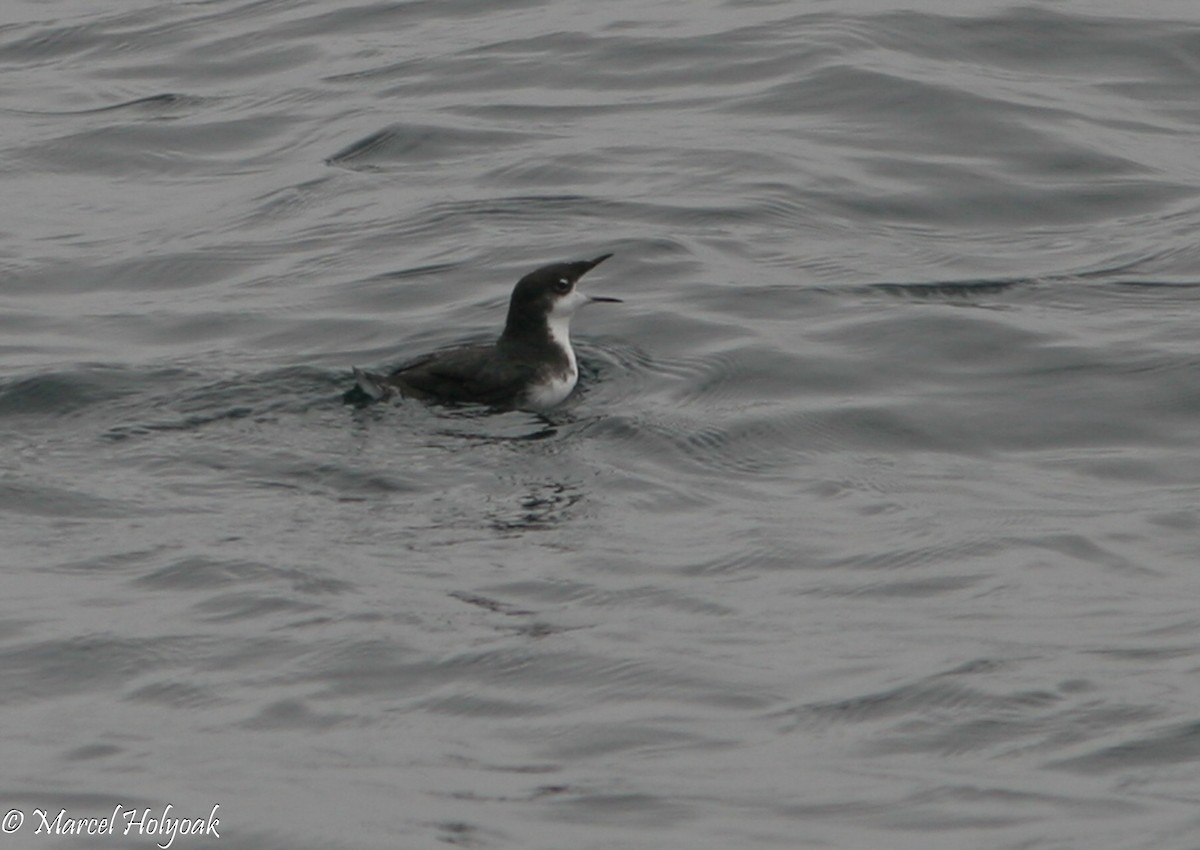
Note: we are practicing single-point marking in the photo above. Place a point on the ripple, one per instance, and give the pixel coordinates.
(637, 373)
(168, 149)
(55, 668)
(769, 441)
(156, 104)
(205, 573)
(296, 714)
(895, 434)
(403, 143)
(50, 42)
(175, 694)
(68, 391)
(204, 403)
(560, 591)
(47, 500)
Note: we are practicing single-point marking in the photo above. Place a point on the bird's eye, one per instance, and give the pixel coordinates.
(562, 285)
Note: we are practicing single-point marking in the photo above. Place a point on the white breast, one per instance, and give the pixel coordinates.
(555, 392)
(545, 396)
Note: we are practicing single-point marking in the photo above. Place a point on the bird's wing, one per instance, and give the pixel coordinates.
(468, 374)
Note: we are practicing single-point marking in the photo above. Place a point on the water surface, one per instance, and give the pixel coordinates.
(872, 523)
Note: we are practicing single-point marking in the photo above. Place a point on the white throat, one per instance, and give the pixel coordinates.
(555, 391)
(560, 332)
(559, 323)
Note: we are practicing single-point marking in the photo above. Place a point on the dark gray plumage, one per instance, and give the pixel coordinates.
(530, 367)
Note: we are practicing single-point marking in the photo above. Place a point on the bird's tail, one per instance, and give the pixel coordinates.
(367, 388)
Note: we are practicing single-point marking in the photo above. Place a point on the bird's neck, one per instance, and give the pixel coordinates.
(547, 336)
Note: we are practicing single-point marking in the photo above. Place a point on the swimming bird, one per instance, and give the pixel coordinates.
(530, 367)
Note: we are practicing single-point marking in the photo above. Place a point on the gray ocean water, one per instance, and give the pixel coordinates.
(873, 522)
